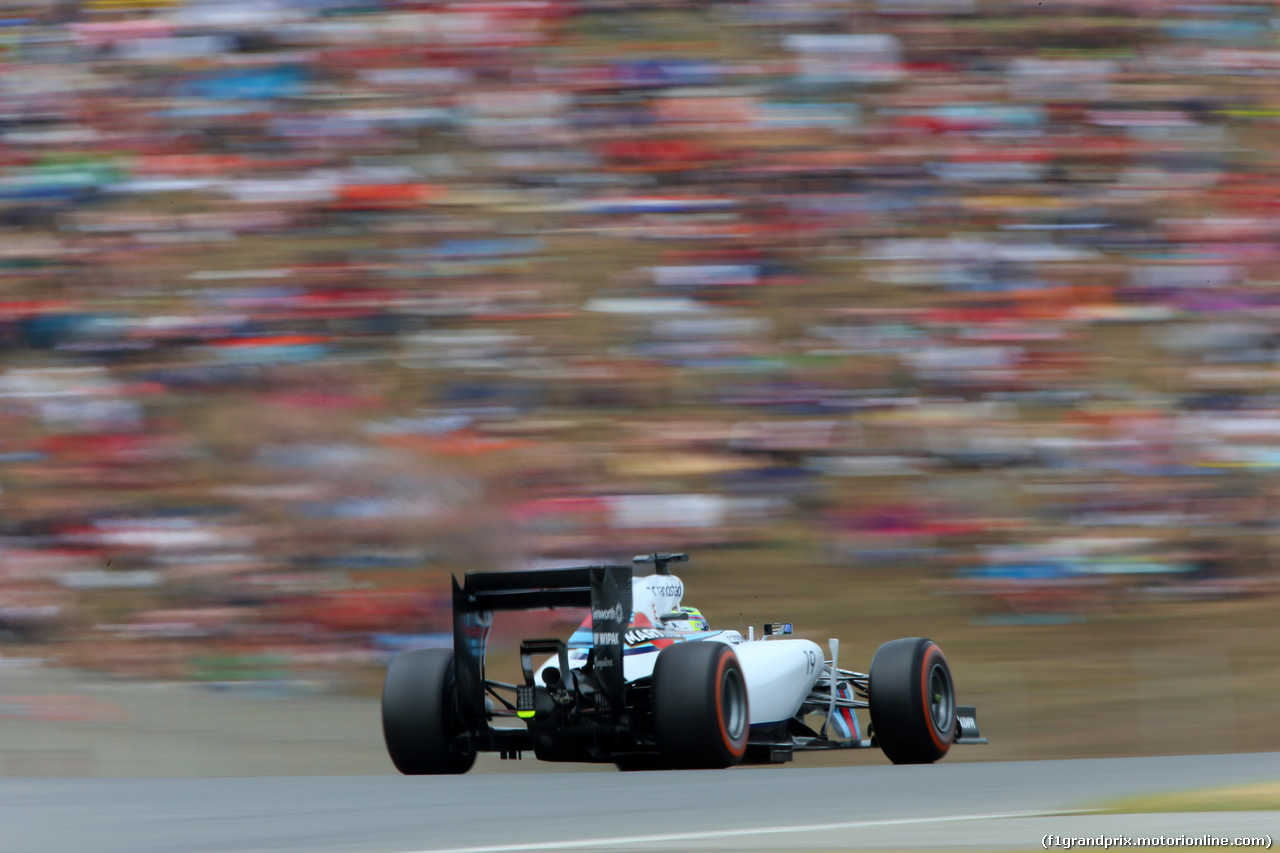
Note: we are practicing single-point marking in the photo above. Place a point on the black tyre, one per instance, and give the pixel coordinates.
(912, 701)
(418, 717)
(700, 712)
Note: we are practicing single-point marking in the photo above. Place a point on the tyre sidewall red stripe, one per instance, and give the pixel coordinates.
(735, 749)
(926, 667)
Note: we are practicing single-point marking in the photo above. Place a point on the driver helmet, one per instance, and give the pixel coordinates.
(686, 619)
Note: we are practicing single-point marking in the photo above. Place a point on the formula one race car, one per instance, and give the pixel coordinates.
(644, 683)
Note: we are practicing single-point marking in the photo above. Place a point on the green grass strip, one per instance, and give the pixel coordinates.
(1259, 796)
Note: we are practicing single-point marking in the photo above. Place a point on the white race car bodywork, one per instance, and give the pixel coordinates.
(779, 673)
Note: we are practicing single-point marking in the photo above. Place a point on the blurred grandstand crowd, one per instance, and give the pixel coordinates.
(308, 303)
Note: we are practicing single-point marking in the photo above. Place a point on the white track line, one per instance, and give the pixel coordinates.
(626, 841)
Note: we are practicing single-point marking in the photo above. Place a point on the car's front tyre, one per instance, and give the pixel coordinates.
(700, 711)
(912, 701)
(418, 718)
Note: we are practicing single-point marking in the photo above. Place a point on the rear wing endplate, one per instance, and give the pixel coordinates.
(605, 590)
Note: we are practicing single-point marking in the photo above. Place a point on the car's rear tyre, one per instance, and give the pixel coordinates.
(912, 701)
(418, 717)
(700, 711)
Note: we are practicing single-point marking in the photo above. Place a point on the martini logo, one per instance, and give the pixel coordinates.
(647, 635)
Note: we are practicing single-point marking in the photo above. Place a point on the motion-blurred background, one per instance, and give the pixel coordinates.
(953, 318)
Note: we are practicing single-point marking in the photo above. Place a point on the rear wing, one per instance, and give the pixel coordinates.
(605, 590)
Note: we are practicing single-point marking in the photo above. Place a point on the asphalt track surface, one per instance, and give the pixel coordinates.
(984, 805)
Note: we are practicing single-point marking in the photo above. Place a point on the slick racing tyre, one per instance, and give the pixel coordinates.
(700, 712)
(912, 701)
(418, 718)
